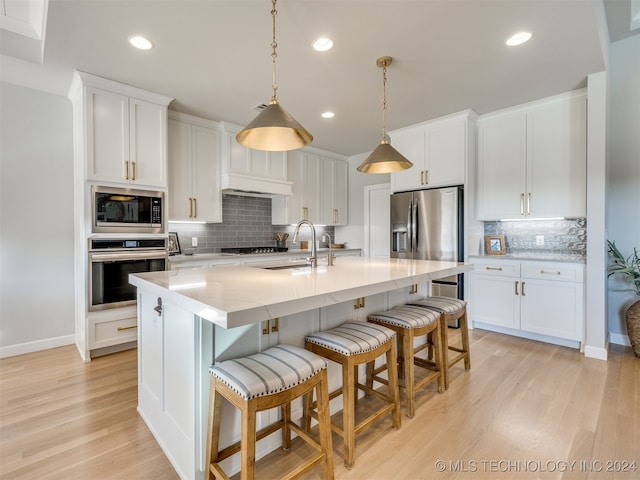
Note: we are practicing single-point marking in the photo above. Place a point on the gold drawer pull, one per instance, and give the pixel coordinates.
(276, 325)
(494, 268)
(516, 287)
(127, 328)
(544, 272)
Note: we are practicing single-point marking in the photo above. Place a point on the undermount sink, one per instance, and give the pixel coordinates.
(286, 267)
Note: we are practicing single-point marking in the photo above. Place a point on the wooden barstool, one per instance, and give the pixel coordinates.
(410, 322)
(262, 381)
(451, 309)
(353, 344)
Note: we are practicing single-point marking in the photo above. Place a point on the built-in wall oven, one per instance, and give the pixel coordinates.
(112, 260)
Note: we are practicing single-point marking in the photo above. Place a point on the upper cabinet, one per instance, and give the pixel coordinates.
(124, 135)
(247, 170)
(194, 169)
(320, 189)
(334, 194)
(532, 160)
(438, 150)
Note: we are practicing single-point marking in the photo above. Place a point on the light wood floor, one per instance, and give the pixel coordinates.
(524, 409)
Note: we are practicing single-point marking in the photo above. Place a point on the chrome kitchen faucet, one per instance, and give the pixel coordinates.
(314, 257)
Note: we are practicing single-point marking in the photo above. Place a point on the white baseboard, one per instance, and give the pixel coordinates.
(36, 346)
(595, 352)
(619, 339)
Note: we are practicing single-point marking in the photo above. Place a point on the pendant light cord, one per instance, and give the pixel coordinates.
(384, 103)
(274, 45)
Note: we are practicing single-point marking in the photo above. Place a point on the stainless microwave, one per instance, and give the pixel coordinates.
(125, 210)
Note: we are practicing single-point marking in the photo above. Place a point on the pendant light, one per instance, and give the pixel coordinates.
(274, 129)
(385, 158)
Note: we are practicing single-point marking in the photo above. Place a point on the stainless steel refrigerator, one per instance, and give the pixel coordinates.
(428, 225)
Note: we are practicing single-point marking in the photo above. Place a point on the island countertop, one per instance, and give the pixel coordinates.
(240, 295)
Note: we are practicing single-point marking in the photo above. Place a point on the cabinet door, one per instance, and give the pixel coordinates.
(411, 144)
(180, 175)
(495, 300)
(502, 153)
(147, 143)
(557, 159)
(446, 153)
(107, 136)
(552, 308)
(206, 174)
(333, 192)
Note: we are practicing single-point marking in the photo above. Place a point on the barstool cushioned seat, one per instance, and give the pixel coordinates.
(352, 338)
(407, 316)
(442, 304)
(276, 369)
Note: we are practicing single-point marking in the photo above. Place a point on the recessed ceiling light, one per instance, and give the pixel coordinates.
(140, 42)
(323, 44)
(328, 115)
(518, 39)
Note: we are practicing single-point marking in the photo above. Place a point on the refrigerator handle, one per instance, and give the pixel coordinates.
(409, 225)
(414, 227)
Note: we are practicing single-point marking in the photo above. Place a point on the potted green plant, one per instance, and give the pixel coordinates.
(629, 267)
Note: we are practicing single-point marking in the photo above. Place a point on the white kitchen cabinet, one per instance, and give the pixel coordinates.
(536, 299)
(320, 190)
(194, 169)
(438, 150)
(304, 172)
(334, 192)
(532, 160)
(126, 139)
(248, 170)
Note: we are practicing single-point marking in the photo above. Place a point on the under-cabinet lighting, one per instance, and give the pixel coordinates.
(530, 219)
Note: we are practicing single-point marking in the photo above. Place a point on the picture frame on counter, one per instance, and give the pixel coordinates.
(174, 244)
(495, 245)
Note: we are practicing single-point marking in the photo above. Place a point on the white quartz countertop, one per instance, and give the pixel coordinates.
(240, 295)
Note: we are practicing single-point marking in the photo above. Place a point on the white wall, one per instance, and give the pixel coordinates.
(36, 221)
(623, 200)
(354, 232)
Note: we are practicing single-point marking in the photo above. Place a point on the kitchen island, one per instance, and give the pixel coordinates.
(189, 318)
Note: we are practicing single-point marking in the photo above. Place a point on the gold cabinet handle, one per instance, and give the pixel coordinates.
(529, 204)
(276, 325)
(266, 329)
(421, 177)
(127, 328)
(545, 272)
(335, 215)
(190, 207)
(133, 168)
(516, 287)
(426, 177)
(413, 289)
(126, 170)
(359, 303)
(523, 289)
(522, 204)
(195, 208)
(494, 268)
(305, 213)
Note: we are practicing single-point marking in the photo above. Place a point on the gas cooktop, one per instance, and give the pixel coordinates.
(252, 250)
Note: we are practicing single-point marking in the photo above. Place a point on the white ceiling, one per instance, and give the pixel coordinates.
(213, 56)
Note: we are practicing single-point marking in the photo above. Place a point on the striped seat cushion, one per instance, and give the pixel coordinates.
(441, 304)
(352, 338)
(276, 369)
(407, 316)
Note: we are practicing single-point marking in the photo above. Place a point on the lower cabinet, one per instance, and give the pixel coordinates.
(536, 299)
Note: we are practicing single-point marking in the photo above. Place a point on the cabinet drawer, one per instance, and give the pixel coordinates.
(510, 269)
(564, 272)
(114, 332)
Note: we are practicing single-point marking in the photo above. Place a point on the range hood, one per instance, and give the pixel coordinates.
(250, 186)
